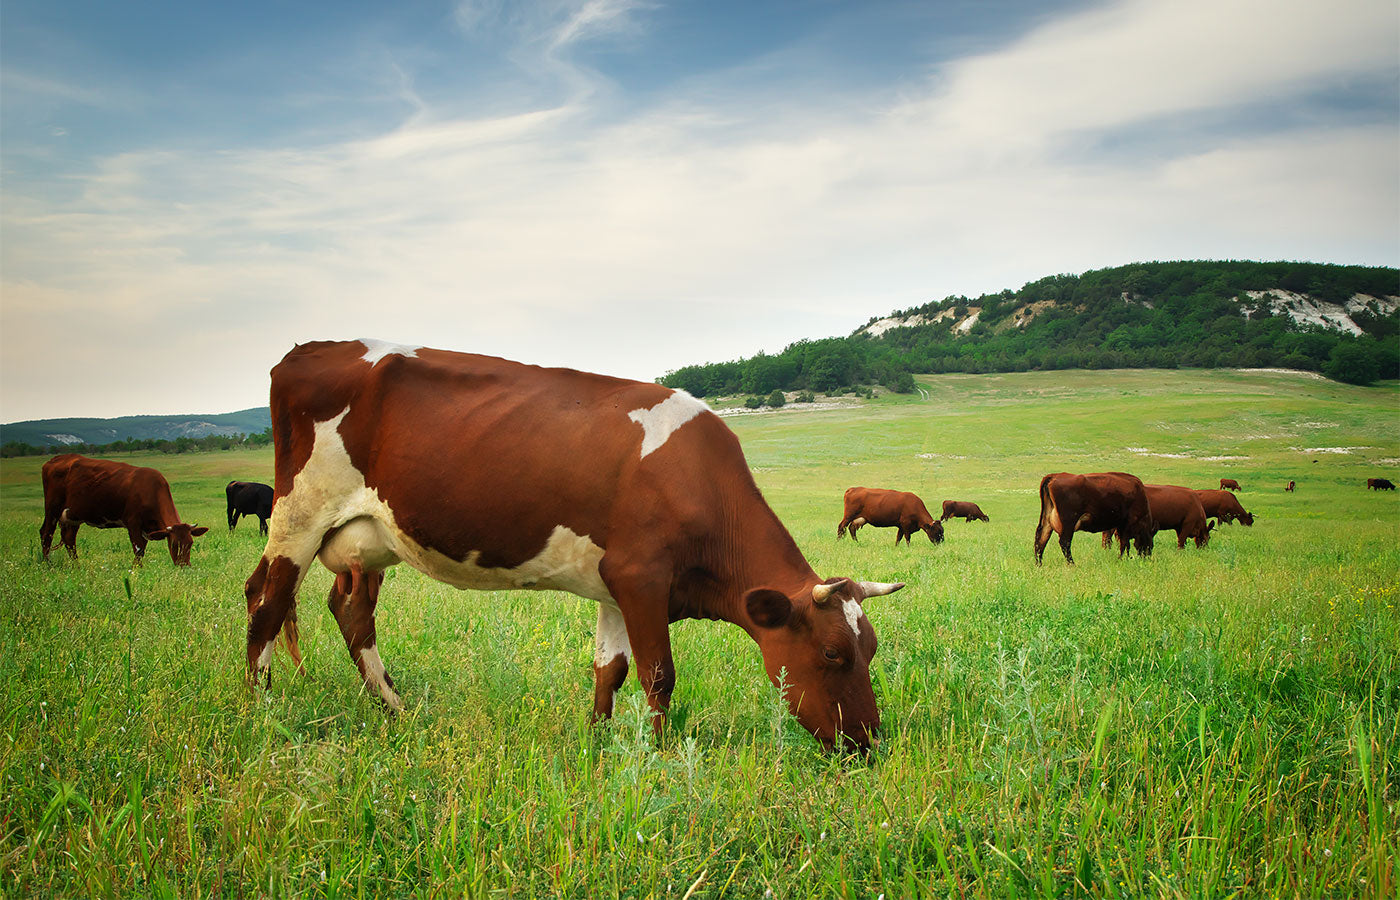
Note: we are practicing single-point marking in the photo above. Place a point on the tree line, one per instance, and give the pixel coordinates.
(1194, 314)
(178, 445)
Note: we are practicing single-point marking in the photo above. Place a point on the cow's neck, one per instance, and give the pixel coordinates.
(164, 514)
(752, 550)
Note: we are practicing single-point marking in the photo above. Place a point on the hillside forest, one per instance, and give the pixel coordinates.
(1152, 315)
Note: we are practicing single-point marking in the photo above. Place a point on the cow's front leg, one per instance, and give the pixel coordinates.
(138, 545)
(68, 534)
(1065, 537)
(643, 596)
(612, 651)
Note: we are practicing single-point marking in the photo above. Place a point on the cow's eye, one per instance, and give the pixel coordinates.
(831, 654)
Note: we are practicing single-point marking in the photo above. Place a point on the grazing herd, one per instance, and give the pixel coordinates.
(493, 475)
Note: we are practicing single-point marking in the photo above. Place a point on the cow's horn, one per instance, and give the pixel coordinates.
(879, 588)
(822, 592)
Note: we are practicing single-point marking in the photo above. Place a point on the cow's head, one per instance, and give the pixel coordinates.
(1143, 536)
(934, 530)
(1246, 518)
(180, 538)
(824, 642)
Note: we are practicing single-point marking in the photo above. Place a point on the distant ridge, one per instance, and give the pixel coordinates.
(64, 432)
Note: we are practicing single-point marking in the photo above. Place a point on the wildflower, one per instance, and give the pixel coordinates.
(1327, 852)
(885, 824)
(640, 839)
(823, 836)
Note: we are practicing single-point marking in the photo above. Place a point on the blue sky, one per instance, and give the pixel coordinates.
(628, 187)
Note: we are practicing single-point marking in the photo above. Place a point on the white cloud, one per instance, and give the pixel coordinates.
(690, 231)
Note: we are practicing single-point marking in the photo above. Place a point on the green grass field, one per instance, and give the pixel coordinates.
(1203, 723)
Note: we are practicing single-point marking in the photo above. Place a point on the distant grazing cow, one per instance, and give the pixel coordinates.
(962, 509)
(1289, 489)
(493, 475)
(1173, 509)
(1098, 502)
(900, 510)
(249, 498)
(1379, 484)
(1224, 506)
(106, 494)
(1229, 484)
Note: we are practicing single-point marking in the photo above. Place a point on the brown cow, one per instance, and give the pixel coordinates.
(1229, 484)
(492, 475)
(1176, 509)
(106, 494)
(900, 510)
(1098, 502)
(1224, 506)
(1289, 489)
(962, 509)
(1379, 484)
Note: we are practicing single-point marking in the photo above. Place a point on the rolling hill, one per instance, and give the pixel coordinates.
(72, 432)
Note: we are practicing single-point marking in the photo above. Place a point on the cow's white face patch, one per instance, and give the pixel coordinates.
(265, 657)
(852, 610)
(660, 421)
(376, 350)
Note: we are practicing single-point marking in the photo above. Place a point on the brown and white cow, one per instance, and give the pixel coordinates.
(107, 494)
(1290, 487)
(1379, 484)
(1224, 506)
(1229, 484)
(492, 475)
(962, 509)
(1098, 502)
(1173, 509)
(900, 510)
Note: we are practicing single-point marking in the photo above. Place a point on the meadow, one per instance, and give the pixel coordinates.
(1201, 723)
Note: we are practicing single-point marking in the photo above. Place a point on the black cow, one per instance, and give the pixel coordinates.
(249, 498)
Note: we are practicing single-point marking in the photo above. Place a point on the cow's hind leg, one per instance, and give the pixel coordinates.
(46, 530)
(612, 652)
(271, 594)
(1042, 537)
(352, 600)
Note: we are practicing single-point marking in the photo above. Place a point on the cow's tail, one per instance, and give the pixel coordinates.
(1047, 503)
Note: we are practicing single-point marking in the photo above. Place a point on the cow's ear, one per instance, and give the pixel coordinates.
(768, 608)
(157, 535)
(197, 530)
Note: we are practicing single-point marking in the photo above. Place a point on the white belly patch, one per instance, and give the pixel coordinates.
(330, 504)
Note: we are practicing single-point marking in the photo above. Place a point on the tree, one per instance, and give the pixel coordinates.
(1353, 362)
